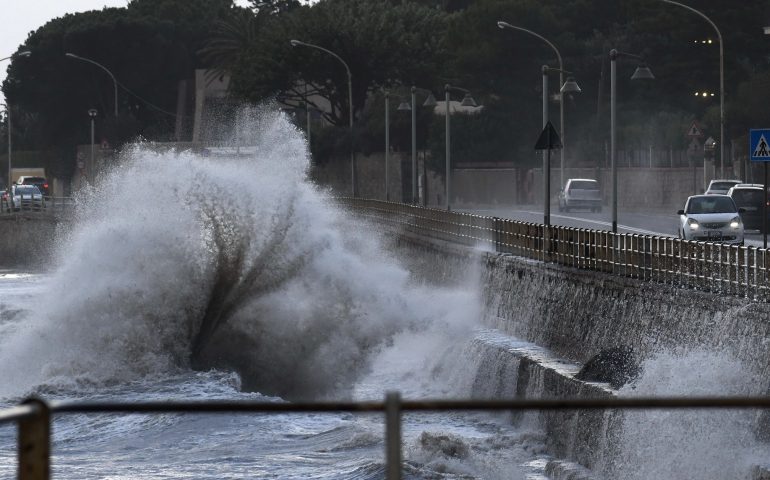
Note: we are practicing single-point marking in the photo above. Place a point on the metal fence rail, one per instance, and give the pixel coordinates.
(712, 267)
(34, 416)
(49, 205)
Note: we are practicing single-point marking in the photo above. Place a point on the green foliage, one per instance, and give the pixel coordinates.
(392, 44)
(149, 46)
(382, 44)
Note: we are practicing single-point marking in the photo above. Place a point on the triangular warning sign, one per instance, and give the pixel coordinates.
(548, 139)
(762, 150)
(694, 131)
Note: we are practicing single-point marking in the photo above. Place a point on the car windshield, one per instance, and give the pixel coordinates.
(715, 204)
(722, 185)
(746, 196)
(34, 180)
(584, 185)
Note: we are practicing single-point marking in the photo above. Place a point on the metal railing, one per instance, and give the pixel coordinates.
(50, 205)
(713, 267)
(34, 416)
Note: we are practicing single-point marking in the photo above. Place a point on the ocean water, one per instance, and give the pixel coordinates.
(187, 276)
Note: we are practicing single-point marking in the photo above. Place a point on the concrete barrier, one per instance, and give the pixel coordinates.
(27, 240)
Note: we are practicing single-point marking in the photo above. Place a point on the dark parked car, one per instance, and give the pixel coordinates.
(40, 182)
(749, 197)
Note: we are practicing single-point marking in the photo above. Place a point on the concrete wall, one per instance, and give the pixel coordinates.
(370, 171)
(638, 187)
(661, 188)
(26, 240)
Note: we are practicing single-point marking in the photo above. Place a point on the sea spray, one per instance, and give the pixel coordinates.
(181, 259)
(675, 444)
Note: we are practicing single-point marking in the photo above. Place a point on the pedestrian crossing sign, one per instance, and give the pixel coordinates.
(759, 148)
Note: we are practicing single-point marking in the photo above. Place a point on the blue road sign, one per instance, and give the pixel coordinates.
(759, 148)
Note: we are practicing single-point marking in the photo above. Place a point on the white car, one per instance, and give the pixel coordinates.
(580, 193)
(711, 218)
(720, 187)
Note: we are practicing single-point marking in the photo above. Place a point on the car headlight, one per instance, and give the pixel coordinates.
(735, 222)
(692, 223)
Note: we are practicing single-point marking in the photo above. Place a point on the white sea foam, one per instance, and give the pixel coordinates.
(675, 444)
(241, 256)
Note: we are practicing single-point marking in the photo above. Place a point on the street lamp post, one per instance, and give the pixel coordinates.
(468, 101)
(8, 125)
(114, 81)
(430, 101)
(387, 145)
(25, 53)
(92, 113)
(721, 83)
(642, 73)
(708, 154)
(504, 25)
(295, 43)
(570, 86)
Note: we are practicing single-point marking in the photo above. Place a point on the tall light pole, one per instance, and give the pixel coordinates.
(295, 43)
(721, 83)
(387, 145)
(114, 82)
(25, 53)
(468, 101)
(570, 86)
(430, 101)
(642, 73)
(504, 25)
(8, 125)
(92, 113)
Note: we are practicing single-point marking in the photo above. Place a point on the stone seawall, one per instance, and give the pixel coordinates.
(577, 313)
(574, 315)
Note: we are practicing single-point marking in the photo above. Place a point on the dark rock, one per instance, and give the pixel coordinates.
(616, 366)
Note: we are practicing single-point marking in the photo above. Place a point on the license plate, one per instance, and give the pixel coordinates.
(714, 235)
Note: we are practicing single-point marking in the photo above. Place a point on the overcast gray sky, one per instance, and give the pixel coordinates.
(20, 17)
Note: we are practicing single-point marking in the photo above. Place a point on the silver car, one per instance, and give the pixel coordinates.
(580, 193)
(711, 218)
(721, 186)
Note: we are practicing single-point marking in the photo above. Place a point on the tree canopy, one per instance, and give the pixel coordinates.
(150, 45)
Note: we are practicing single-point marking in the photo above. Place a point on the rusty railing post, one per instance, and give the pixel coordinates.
(35, 443)
(393, 435)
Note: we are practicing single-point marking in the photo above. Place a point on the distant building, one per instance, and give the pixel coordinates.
(214, 110)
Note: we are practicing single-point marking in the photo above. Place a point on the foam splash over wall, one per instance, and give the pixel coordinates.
(675, 444)
(240, 258)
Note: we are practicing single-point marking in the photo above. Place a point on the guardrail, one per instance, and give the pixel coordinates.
(34, 416)
(50, 205)
(714, 267)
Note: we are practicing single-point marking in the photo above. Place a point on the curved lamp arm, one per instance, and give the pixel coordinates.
(294, 43)
(556, 50)
(721, 79)
(25, 53)
(114, 81)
